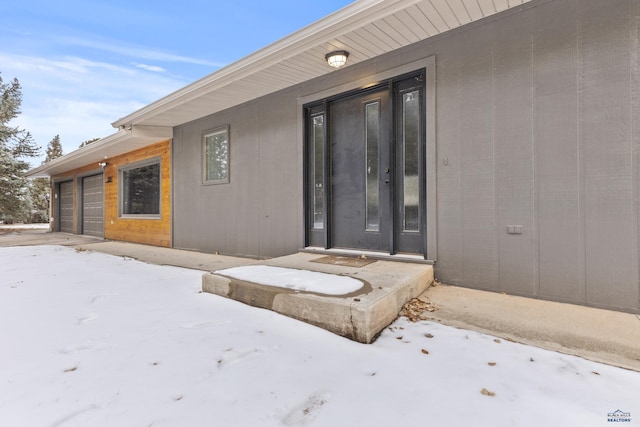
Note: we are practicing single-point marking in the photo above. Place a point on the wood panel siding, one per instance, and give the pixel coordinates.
(151, 231)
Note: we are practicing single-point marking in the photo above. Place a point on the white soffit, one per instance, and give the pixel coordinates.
(365, 28)
(121, 142)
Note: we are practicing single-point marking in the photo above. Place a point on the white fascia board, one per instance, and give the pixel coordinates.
(351, 16)
(121, 142)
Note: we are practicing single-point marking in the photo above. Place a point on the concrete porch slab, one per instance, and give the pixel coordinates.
(360, 316)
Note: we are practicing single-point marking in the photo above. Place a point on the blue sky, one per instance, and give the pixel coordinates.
(85, 64)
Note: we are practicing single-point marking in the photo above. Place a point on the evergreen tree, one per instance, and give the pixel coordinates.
(40, 189)
(54, 149)
(15, 146)
(89, 141)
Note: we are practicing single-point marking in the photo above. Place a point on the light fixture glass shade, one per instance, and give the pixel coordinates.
(337, 59)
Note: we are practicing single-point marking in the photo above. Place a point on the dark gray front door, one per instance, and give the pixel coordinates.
(360, 159)
(365, 157)
(92, 205)
(66, 207)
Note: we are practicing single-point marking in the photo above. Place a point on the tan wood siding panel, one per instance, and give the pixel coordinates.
(155, 232)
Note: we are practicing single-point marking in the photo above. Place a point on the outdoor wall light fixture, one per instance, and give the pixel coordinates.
(337, 58)
(102, 164)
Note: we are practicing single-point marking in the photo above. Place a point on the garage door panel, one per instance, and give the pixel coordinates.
(93, 205)
(66, 207)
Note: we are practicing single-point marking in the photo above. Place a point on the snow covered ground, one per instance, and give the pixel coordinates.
(11, 227)
(88, 339)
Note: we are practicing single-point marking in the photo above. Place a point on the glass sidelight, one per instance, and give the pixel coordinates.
(411, 160)
(372, 138)
(317, 131)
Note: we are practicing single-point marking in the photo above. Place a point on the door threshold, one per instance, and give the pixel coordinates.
(382, 256)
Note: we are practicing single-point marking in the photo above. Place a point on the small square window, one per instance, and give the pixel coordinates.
(140, 189)
(216, 156)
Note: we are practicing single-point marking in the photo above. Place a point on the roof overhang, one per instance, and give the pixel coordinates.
(122, 142)
(365, 28)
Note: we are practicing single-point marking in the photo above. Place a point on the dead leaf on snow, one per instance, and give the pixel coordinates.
(424, 351)
(487, 392)
(428, 335)
(497, 340)
(415, 308)
(491, 363)
(595, 373)
(75, 368)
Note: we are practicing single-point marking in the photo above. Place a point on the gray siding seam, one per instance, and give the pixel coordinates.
(432, 159)
(634, 90)
(534, 164)
(497, 229)
(461, 191)
(582, 228)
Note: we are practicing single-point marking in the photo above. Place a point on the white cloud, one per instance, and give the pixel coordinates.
(124, 49)
(78, 98)
(153, 68)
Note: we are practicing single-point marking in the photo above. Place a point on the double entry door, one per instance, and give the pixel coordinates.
(365, 173)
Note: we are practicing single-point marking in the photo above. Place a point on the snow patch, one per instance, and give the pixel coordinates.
(299, 280)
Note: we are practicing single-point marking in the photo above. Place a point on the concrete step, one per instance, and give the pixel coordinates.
(360, 316)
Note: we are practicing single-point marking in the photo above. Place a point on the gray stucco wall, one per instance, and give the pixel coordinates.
(259, 211)
(537, 116)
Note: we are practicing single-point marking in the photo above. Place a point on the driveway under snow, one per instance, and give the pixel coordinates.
(89, 339)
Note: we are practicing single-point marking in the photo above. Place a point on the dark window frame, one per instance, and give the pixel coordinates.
(121, 188)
